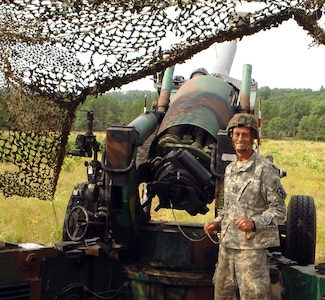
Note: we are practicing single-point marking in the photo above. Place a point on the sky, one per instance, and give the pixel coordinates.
(281, 57)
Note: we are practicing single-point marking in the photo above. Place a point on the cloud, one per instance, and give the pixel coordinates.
(280, 57)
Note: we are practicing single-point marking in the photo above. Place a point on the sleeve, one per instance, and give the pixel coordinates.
(274, 196)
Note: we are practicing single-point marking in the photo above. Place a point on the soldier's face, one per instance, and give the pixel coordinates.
(242, 138)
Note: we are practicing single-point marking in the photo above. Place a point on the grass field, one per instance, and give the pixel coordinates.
(33, 220)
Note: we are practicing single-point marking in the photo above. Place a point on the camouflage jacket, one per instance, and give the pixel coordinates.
(252, 190)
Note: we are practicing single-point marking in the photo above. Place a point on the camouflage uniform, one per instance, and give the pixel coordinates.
(252, 190)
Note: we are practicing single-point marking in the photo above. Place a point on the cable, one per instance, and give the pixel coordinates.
(201, 239)
(212, 239)
(116, 292)
(70, 289)
(183, 233)
(81, 288)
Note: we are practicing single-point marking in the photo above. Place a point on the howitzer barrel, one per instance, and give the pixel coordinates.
(146, 123)
(202, 102)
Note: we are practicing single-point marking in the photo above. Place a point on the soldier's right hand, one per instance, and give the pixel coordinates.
(210, 227)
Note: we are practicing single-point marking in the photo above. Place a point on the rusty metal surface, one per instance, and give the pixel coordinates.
(20, 265)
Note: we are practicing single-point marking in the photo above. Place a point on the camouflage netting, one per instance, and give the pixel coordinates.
(55, 53)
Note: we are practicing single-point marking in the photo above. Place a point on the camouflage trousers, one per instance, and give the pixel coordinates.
(243, 272)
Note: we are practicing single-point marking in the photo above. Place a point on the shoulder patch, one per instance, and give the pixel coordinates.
(281, 192)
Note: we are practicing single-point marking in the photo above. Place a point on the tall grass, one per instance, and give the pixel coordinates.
(32, 220)
(304, 163)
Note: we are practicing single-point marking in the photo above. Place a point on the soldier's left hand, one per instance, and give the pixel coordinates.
(244, 224)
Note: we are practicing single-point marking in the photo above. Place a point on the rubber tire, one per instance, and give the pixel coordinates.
(300, 241)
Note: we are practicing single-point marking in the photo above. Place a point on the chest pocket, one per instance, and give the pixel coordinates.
(251, 194)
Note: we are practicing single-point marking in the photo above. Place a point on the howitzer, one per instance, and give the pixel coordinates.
(186, 151)
(177, 150)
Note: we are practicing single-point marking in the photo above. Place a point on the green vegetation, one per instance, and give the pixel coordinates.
(293, 113)
(286, 113)
(114, 108)
(33, 220)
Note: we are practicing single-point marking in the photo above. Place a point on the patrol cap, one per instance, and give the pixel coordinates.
(243, 120)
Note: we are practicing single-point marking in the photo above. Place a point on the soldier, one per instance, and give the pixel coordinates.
(253, 206)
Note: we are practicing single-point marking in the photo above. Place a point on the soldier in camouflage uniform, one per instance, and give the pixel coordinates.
(253, 206)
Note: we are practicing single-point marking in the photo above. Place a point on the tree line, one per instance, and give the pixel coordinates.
(113, 108)
(293, 113)
(286, 113)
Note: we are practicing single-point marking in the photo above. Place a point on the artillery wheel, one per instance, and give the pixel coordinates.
(76, 223)
(301, 230)
(74, 291)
